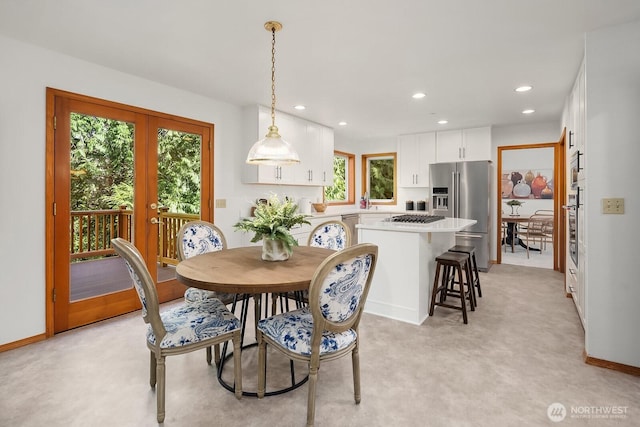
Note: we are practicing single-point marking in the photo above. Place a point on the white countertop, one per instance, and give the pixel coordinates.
(446, 225)
(333, 211)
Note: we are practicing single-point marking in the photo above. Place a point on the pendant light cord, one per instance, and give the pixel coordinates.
(273, 77)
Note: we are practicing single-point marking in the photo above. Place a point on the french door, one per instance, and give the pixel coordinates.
(117, 171)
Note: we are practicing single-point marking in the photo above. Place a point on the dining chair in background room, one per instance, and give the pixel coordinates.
(181, 329)
(539, 229)
(549, 228)
(504, 226)
(544, 212)
(327, 328)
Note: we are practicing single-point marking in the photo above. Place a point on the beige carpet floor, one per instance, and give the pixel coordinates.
(520, 353)
(542, 259)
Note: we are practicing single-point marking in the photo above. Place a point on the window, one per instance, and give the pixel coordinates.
(342, 192)
(379, 177)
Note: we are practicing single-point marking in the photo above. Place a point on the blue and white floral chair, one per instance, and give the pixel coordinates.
(195, 238)
(181, 329)
(327, 328)
(330, 235)
(333, 235)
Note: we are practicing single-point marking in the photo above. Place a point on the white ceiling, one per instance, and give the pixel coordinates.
(357, 60)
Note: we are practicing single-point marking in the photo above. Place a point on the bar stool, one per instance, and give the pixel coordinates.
(471, 252)
(448, 265)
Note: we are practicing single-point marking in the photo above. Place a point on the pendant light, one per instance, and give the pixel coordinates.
(272, 149)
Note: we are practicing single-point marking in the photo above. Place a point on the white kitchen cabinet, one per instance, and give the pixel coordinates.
(415, 153)
(576, 121)
(311, 141)
(575, 134)
(327, 156)
(316, 156)
(463, 145)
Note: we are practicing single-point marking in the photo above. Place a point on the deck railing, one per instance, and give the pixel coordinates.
(170, 224)
(91, 232)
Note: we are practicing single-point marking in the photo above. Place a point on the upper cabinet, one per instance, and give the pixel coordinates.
(576, 119)
(463, 145)
(313, 143)
(316, 156)
(415, 153)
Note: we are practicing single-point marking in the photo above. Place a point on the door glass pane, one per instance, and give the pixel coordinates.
(179, 198)
(101, 169)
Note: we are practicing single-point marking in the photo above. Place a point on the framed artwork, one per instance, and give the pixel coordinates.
(527, 184)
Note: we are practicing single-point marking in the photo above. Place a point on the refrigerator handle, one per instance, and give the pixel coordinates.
(457, 194)
(452, 196)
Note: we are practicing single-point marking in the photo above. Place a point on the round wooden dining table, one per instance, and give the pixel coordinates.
(242, 271)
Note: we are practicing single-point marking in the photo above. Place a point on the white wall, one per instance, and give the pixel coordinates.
(612, 156)
(25, 73)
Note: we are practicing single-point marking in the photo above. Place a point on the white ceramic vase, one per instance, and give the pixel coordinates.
(274, 250)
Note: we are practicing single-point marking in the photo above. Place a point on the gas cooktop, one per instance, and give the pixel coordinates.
(418, 219)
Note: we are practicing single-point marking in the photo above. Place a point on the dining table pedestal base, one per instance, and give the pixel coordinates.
(260, 311)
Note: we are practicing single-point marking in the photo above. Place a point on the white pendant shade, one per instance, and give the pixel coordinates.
(272, 150)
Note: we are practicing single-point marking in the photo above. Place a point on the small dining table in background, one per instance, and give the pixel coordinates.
(512, 238)
(242, 271)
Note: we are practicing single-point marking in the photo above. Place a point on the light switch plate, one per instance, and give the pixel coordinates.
(613, 206)
(221, 203)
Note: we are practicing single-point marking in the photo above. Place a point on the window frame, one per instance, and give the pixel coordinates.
(350, 179)
(365, 176)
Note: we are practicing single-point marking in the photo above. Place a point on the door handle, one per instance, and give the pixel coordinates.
(155, 220)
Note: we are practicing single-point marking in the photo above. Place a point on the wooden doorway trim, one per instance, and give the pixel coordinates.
(559, 184)
(206, 211)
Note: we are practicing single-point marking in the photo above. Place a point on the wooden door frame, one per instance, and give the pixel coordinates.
(143, 212)
(559, 189)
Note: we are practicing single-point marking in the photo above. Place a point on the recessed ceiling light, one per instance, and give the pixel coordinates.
(419, 95)
(530, 111)
(525, 88)
(300, 107)
(443, 122)
(342, 123)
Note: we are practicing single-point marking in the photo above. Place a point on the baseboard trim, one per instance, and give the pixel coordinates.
(22, 342)
(627, 369)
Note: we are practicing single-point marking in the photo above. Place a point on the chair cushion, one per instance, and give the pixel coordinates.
(329, 236)
(197, 295)
(199, 239)
(194, 295)
(192, 323)
(293, 330)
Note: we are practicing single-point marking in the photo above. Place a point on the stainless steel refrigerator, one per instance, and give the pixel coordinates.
(462, 190)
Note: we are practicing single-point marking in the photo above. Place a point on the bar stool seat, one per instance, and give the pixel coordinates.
(475, 277)
(448, 265)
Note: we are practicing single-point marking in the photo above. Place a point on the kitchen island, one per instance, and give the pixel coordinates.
(401, 286)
